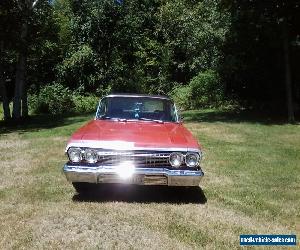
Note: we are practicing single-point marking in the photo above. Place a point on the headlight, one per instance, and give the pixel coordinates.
(74, 154)
(176, 159)
(90, 155)
(192, 159)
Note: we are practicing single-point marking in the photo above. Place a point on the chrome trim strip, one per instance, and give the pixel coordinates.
(95, 174)
(195, 150)
(130, 154)
(96, 115)
(124, 146)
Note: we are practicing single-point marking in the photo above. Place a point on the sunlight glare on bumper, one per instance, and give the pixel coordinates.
(125, 169)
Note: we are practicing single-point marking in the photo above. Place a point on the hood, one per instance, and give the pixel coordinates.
(134, 135)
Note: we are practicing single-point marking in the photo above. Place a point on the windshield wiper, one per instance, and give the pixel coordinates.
(104, 117)
(150, 120)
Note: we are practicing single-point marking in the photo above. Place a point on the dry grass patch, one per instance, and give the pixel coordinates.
(251, 186)
(217, 132)
(107, 226)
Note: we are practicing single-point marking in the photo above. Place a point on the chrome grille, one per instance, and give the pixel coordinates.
(146, 159)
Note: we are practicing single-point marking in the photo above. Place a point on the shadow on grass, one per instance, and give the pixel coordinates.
(238, 116)
(143, 194)
(38, 122)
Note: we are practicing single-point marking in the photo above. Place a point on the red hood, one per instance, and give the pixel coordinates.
(137, 134)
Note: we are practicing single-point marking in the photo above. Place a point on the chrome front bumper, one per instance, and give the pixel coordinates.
(139, 176)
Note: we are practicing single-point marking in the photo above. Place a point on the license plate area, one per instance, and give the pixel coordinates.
(113, 178)
(137, 180)
(155, 180)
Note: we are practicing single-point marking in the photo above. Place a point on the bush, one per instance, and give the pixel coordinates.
(206, 90)
(182, 96)
(84, 104)
(52, 99)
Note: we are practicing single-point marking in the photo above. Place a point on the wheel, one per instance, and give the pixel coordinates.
(84, 187)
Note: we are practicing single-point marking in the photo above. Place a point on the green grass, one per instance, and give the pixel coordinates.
(252, 185)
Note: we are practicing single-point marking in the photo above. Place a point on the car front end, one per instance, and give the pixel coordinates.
(140, 167)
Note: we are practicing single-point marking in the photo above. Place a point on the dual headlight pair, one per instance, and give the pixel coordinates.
(77, 155)
(176, 159)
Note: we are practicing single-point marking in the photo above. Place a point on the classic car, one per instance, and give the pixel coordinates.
(133, 139)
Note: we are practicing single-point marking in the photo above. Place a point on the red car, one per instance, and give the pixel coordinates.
(134, 139)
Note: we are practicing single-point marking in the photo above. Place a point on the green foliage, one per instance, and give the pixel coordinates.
(101, 92)
(57, 99)
(139, 46)
(76, 67)
(254, 66)
(154, 46)
(85, 104)
(182, 96)
(52, 99)
(206, 90)
(1, 111)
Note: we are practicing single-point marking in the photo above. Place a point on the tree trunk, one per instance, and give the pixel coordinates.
(288, 81)
(5, 102)
(24, 102)
(20, 75)
(20, 108)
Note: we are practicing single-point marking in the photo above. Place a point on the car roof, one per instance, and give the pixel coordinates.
(139, 95)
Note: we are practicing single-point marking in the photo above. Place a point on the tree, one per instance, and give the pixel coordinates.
(141, 46)
(26, 39)
(20, 107)
(3, 90)
(8, 15)
(257, 67)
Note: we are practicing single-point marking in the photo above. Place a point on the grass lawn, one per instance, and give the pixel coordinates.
(251, 186)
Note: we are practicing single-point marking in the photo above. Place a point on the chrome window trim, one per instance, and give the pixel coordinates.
(141, 96)
(176, 113)
(137, 96)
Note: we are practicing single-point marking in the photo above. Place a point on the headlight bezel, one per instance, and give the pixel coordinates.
(73, 149)
(184, 159)
(192, 154)
(180, 155)
(93, 152)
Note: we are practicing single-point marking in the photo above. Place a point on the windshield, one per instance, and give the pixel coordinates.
(137, 108)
